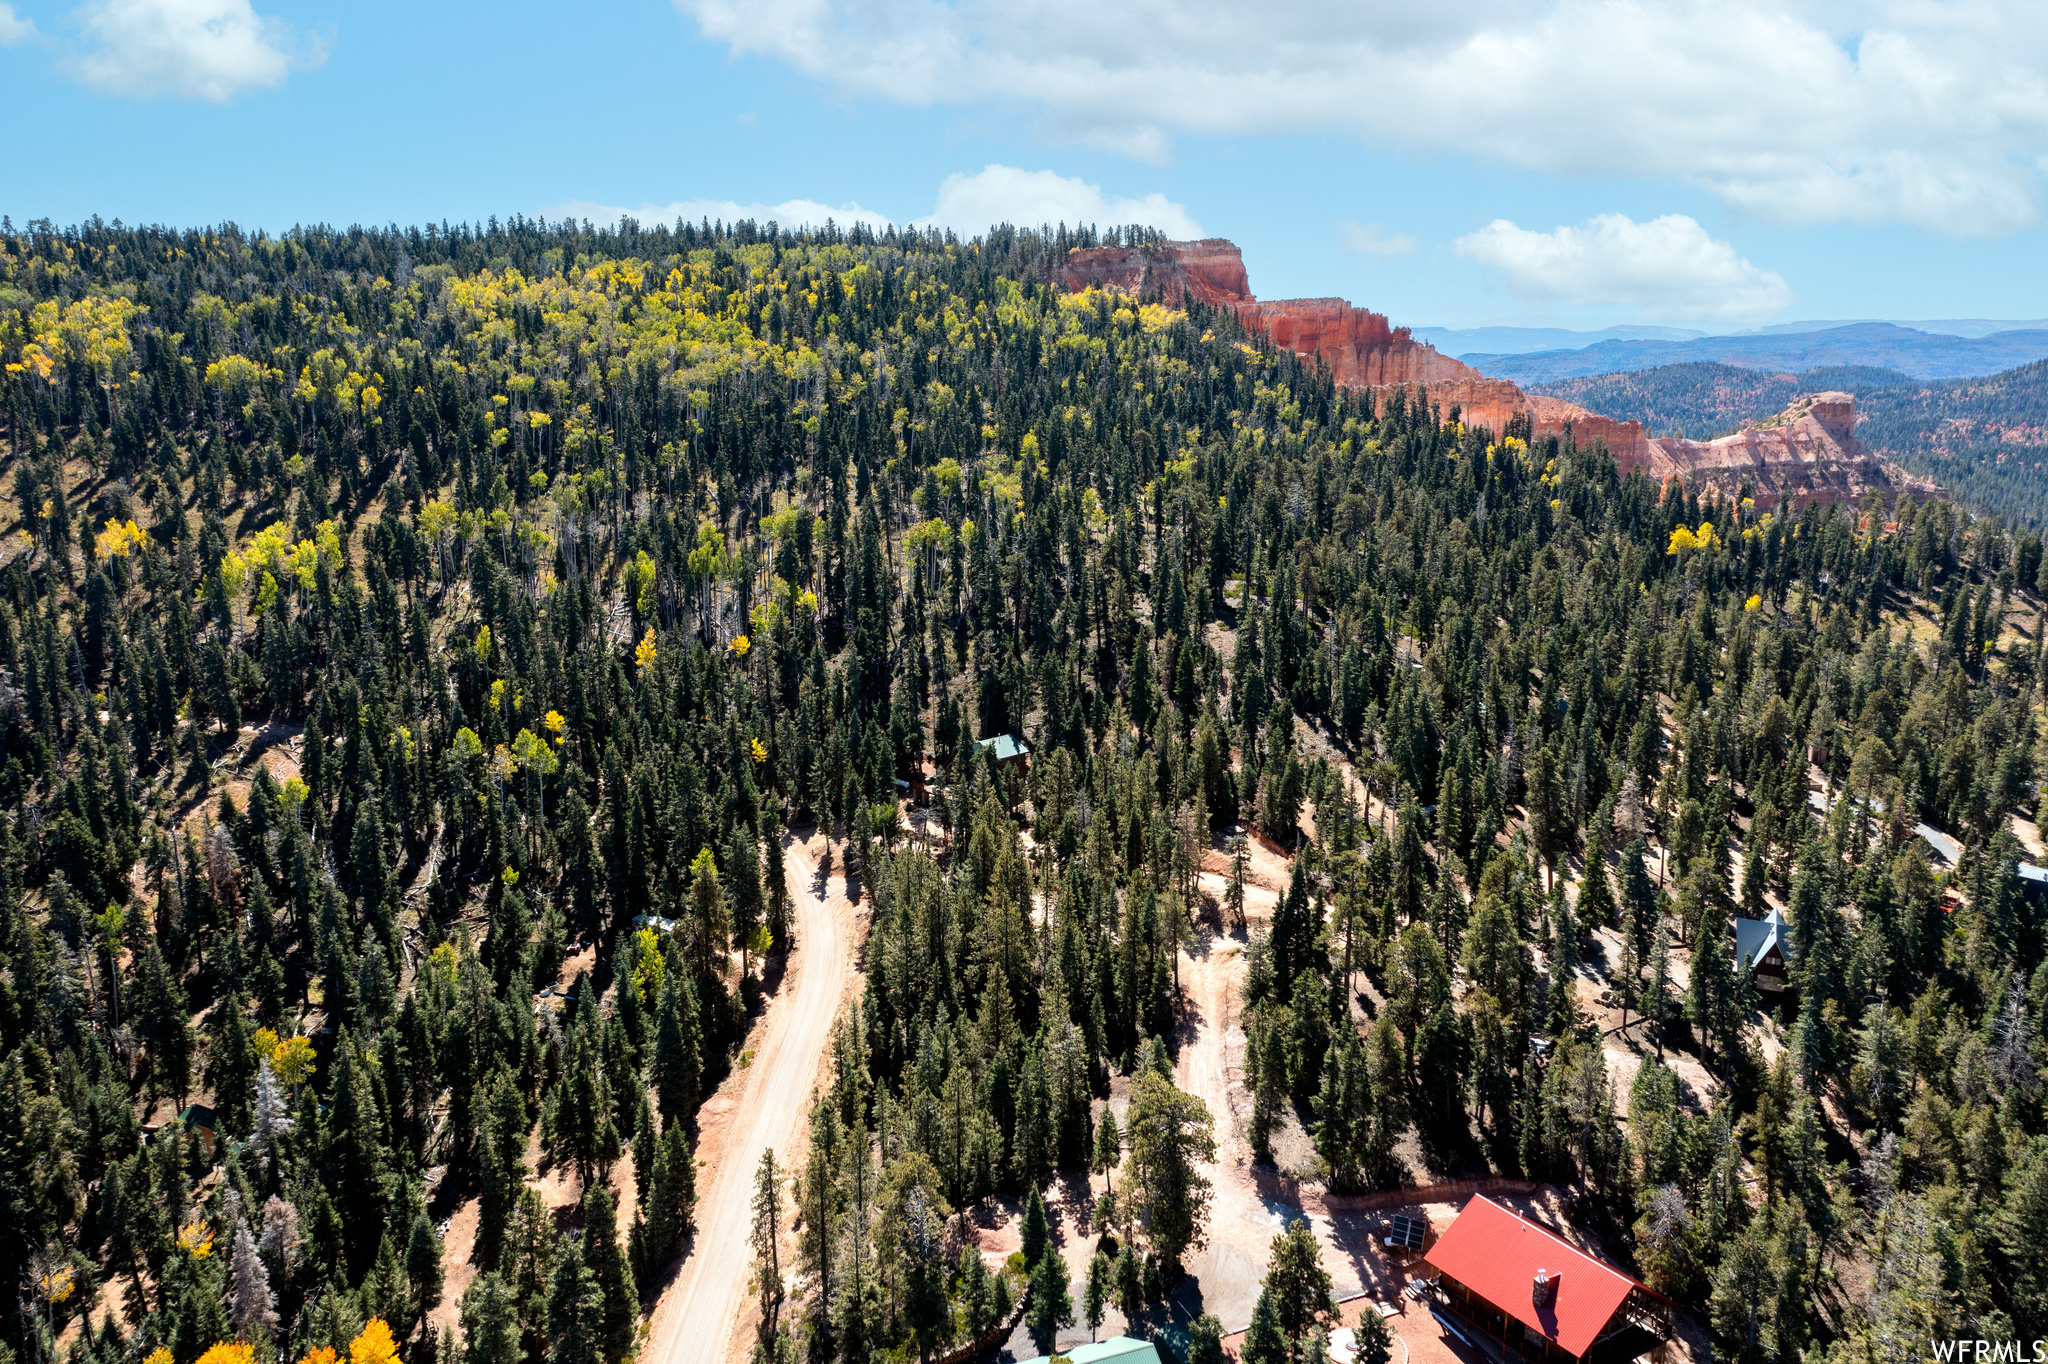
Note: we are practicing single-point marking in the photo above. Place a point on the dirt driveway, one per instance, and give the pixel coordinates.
(765, 1105)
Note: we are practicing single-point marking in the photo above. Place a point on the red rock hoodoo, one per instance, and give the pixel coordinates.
(1809, 451)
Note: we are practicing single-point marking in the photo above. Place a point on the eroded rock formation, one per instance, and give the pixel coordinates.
(1211, 270)
(1810, 451)
(1363, 349)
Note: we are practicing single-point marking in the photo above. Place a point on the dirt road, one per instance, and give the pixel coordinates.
(1251, 1203)
(762, 1106)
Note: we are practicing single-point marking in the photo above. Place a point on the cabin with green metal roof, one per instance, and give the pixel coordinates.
(1008, 751)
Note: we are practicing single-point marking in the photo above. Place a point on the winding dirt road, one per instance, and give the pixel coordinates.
(762, 1106)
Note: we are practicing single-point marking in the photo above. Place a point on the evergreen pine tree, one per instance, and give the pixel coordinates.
(1036, 1233)
(576, 1312)
(1264, 1341)
(423, 1265)
(605, 1261)
(1052, 1303)
(1101, 1283)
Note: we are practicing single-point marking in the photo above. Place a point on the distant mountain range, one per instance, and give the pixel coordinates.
(1525, 340)
(1884, 345)
(1955, 326)
(1496, 341)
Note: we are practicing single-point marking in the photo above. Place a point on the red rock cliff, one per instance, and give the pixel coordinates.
(1363, 349)
(1211, 269)
(1809, 451)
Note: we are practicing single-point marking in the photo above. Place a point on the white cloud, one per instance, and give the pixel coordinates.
(191, 49)
(971, 204)
(1666, 269)
(14, 30)
(791, 213)
(1369, 240)
(1930, 112)
(967, 204)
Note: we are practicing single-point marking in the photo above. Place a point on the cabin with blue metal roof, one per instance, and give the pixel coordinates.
(1764, 947)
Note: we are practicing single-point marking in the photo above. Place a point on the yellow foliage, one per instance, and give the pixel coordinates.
(645, 652)
(529, 750)
(293, 1061)
(1156, 317)
(648, 966)
(162, 1355)
(1753, 603)
(195, 1239)
(1686, 538)
(374, 1345)
(319, 1354)
(230, 1352)
(437, 518)
(271, 549)
(740, 644)
(443, 960)
(57, 1285)
(760, 751)
(118, 538)
(237, 373)
(93, 331)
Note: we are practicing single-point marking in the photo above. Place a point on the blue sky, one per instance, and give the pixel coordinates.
(1576, 162)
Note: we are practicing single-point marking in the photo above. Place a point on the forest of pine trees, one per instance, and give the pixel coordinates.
(396, 624)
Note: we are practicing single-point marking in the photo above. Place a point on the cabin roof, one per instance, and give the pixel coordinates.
(1944, 847)
(1122, 1349)
(1754, 938)
(1006, 746)
(1496, 1254)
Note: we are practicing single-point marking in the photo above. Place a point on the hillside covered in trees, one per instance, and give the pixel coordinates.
(1986, 440)
(419, 646)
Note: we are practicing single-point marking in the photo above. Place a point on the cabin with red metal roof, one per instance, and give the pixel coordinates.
(1533, 1295)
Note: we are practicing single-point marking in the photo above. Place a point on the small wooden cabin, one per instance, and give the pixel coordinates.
(1008, 751)
(1536, 1297)
(1762, 945)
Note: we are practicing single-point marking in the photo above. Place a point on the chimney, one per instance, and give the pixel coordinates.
(1544, 1293)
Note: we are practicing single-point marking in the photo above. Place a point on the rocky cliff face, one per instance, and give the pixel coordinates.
(1211, 270)
(1810, 451)
(1363, 349)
